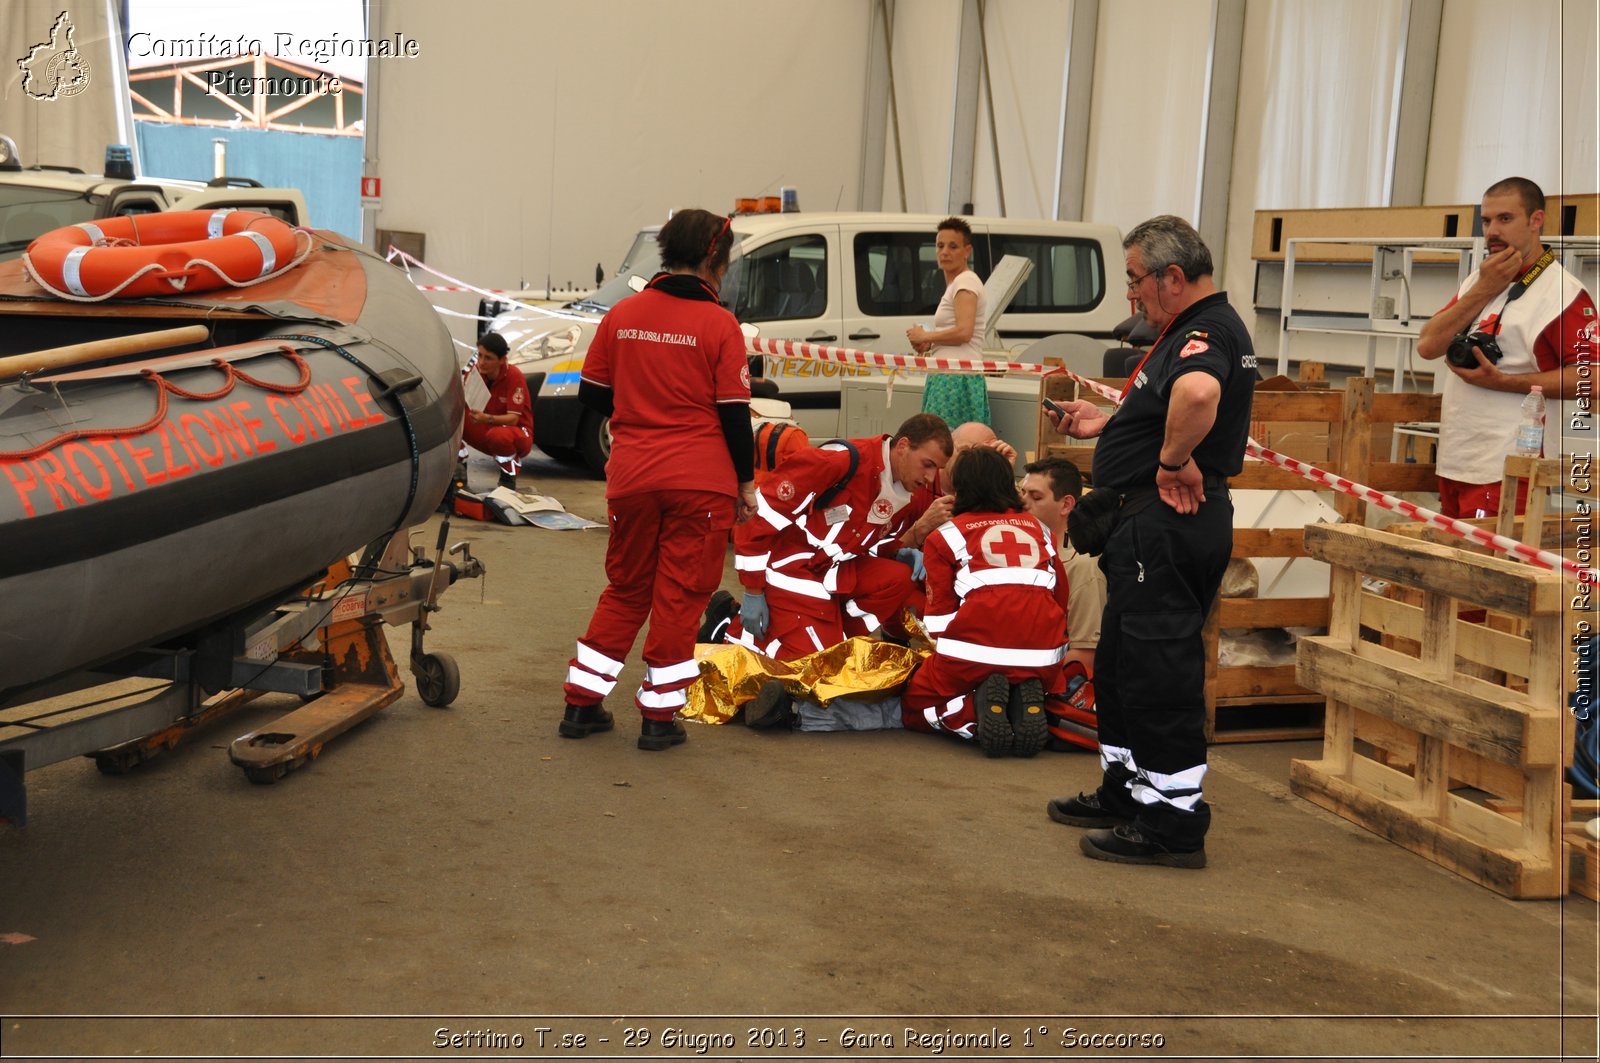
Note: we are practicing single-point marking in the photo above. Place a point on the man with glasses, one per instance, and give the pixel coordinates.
(1167, 451)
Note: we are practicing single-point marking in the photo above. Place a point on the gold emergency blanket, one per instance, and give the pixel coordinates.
(731, 675)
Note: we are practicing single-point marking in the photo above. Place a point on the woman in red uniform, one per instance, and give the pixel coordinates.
(668, 366)
(503, 429)
(997, 611)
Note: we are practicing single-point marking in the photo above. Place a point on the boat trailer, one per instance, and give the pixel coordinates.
(325, 643)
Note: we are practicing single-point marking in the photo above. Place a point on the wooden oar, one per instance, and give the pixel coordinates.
(116, 346)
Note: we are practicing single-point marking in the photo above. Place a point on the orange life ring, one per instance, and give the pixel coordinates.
(160, 254)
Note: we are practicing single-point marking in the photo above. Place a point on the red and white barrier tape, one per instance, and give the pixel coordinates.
(851, 356)
(408, 261)
(1461, 529)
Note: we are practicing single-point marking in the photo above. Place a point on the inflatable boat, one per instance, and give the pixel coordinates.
(258, 435)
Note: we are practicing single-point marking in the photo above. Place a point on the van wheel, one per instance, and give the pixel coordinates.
(594, 442)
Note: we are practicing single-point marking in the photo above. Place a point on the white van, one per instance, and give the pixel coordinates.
(844, 279)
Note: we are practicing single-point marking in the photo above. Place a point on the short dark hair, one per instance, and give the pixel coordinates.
(1168, 240)
(958, 225)
(494, 343)
(1532, 195)
(982, 481)
(1064, 477)
(921, 427)
(693, 236)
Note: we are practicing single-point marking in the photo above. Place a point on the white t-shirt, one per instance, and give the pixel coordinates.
(1478, 427)
(945, 317)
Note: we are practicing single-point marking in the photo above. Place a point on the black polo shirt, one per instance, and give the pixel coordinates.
(1208, 337)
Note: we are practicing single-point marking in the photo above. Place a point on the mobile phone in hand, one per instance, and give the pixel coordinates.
(1054, 408)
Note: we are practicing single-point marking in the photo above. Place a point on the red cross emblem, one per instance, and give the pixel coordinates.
(882, 510)
(1007, 547)
(785, 491)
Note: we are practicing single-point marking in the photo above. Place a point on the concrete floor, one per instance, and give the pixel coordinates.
(465, 870)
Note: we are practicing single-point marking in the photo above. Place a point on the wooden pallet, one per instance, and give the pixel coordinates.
(1416, 747)
(1356, 424)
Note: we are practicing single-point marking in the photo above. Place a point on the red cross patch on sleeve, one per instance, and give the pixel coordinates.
(1194, 347)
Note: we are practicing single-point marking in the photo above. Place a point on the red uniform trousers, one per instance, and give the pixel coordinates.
(870, 593)
(1457, 499)
(939, 694)
(663, 560)
(506, 443)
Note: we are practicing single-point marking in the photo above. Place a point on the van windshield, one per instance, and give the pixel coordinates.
(643, 260)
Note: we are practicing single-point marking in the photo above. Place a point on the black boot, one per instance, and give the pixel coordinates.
(656, 735)
(582, 721)
(1025, 709)
(772, 708)
(992, 703)
(507, 480)
(720, 612)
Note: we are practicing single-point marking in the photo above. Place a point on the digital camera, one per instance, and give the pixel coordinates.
(1460, 350)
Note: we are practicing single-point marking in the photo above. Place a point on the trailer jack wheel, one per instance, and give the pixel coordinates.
(438, 678)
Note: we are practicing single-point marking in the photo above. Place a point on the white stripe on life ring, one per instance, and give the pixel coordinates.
(96, 234)
(215, 222)
(70, 270)
(269, 261)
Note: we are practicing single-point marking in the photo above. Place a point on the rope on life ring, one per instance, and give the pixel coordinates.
(176, 252)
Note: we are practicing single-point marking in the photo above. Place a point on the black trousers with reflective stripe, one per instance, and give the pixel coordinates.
(1162, 570)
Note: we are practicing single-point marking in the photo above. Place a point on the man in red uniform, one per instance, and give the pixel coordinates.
(813, 565)
(503, 429)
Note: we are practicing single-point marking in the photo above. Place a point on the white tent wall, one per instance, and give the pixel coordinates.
(69, 130)
(926, 43)
(1027, 40)
(1517, 95)
(545, 160)
(533, 138)
(1144, 125)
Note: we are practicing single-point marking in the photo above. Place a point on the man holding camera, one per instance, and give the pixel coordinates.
(1518, 321)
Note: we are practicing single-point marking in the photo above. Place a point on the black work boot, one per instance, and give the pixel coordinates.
(656, 735)
(1085, 810)
(507, 480)
(772, 708)
(1128, 845)
(992, 704)
(720, 612)
(1030, 730)
(582, 721)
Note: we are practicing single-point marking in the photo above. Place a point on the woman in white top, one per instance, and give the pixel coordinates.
(958, 327)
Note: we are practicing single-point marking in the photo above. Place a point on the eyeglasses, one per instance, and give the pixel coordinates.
(1134, 282)
(712, 249)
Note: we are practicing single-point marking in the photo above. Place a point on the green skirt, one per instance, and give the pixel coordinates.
(957, 397)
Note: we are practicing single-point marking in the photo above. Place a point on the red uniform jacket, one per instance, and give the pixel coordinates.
(798, 546)
(510, 395)
(996, 592)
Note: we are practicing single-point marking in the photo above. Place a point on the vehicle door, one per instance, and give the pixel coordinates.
(895, 283)
(1067, 288)
(788, 285)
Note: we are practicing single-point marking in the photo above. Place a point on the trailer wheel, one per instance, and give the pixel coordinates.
(438, 678)
(594, 441)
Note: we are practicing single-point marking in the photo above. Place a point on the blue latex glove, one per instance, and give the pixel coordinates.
(908, 556)
(754, 614)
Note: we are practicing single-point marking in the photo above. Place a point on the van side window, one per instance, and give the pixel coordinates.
(1068, 274)
(897, 274)
(783, 281)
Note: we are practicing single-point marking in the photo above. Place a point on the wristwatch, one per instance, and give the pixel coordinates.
(1174, 468)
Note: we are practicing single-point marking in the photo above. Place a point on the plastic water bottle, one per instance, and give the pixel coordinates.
(1530, 430)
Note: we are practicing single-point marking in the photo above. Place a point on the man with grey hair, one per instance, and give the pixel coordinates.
(1165, 454)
